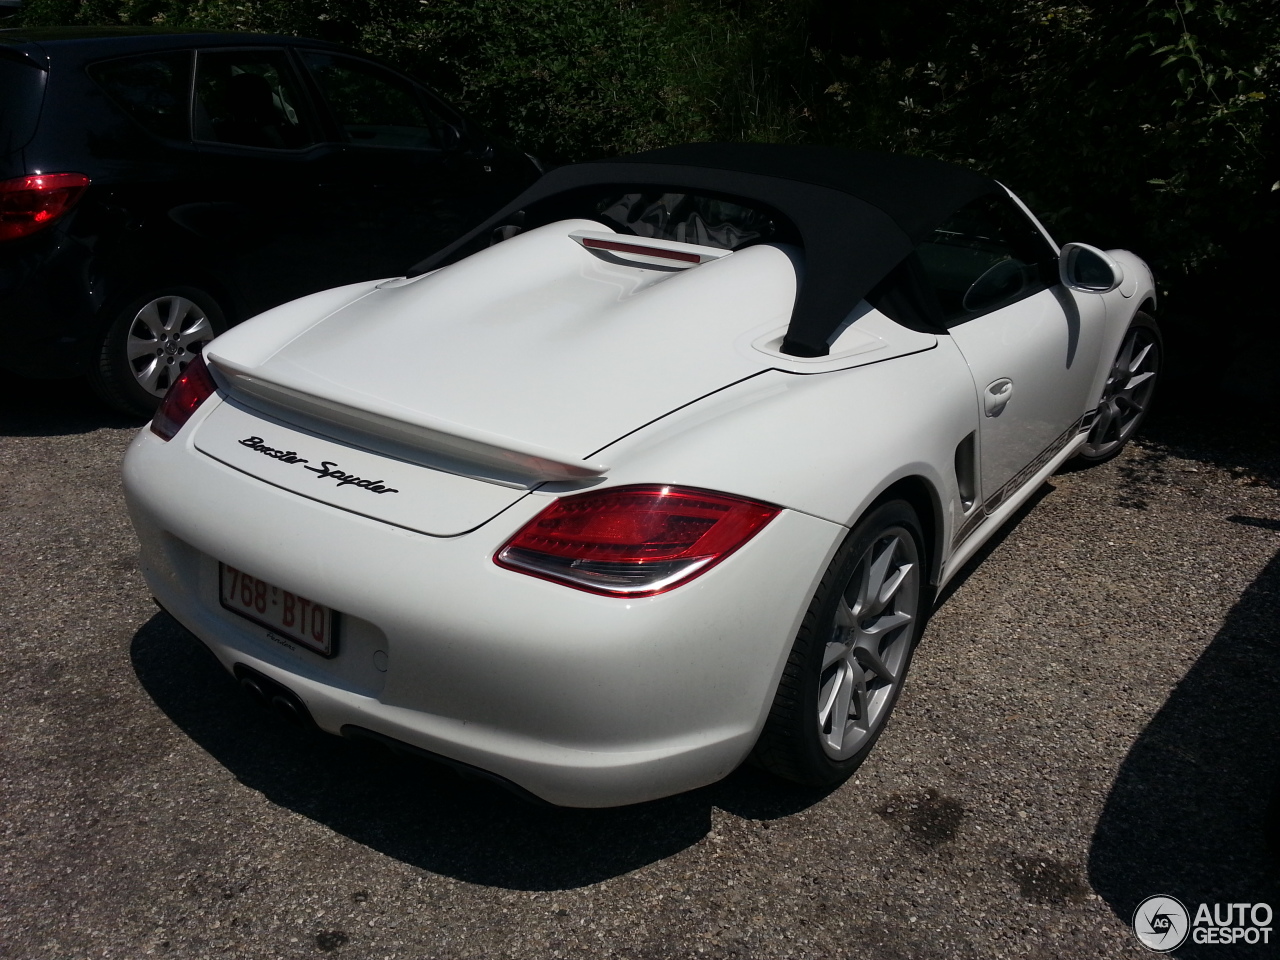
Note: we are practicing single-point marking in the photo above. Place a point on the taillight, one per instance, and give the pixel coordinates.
(633, 541)
(28, 204)
(193, 388)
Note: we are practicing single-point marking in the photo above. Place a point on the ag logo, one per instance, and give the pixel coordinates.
(1161, 923)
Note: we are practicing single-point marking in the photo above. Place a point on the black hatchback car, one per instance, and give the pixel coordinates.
(157, 187)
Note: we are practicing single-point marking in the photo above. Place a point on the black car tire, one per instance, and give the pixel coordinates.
(1124, 403)
(148, 342)
(858, 634)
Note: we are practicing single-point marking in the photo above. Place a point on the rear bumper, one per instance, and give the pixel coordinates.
(580, 700)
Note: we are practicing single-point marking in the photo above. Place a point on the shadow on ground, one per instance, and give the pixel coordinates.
(51, 408)
(1195, 810)
(416, 812)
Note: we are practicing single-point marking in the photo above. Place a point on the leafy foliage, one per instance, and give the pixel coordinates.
(1131, 123)
(1144, 123)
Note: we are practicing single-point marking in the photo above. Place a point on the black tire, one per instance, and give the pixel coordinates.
(799, 740)
(177, 320)
(1124, 404)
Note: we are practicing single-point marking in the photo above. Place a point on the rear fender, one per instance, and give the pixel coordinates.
(829, 444)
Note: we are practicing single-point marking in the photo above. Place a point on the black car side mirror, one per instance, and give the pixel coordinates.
(451, 138)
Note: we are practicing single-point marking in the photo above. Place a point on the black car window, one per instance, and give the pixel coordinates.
(21, 93)
(153, 89)
(373, 106)
(985, 255)
(250, 98)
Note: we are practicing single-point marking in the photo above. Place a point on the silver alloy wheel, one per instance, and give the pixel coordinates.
(866, 656)
(1127, 393)
(165, 335)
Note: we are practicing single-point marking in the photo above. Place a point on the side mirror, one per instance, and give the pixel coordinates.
(1087, 269)
(450, 137)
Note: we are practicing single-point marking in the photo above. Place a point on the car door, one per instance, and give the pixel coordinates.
(1032, 349)
(266, 166)
(416, 186)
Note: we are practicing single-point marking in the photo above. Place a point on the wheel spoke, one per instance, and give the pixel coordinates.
(836, 650)
(1126, 354)
(1137, 361)
(892, 583)
(860, 701)
(864, 593)
(882, 625)
(137, 347)
(149, 317)
(870, 657)
(833, 703)
(877, 575)
(177, 310)
(199, 332)
(839, 717)
(1138, 379)
(1106, 415)
(845, 619)
(149, 376)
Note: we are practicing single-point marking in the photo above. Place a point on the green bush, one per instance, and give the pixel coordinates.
(1144, 123)
(1150, 124)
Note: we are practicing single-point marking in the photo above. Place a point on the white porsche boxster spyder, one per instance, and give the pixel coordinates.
(658, 469)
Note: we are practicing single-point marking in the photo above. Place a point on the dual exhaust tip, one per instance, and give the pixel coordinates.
(271, 694)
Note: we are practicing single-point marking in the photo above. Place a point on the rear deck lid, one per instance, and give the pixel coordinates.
(537, 344)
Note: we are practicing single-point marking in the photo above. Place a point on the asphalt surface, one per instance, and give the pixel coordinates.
(1091, 719)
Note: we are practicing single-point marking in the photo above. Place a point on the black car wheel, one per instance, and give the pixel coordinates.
(850, 658)
(149, 342)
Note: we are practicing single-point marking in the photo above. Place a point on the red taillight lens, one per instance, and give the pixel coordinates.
(633, 541)
(193, 388)
(28, 204)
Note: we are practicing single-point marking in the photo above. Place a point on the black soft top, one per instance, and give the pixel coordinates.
(857, 215)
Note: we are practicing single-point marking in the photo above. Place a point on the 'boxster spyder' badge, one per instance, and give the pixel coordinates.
(328, 469)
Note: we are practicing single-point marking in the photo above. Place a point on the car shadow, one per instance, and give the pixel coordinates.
(1194, 811)
(992, 544)
(52, 408)
(421, 813)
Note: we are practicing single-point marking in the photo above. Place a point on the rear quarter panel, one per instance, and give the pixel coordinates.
(824, 444)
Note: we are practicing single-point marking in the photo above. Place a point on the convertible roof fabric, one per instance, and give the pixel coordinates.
(859, 215)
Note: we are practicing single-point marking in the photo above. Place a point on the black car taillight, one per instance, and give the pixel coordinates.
(28, 204)
(193, 388)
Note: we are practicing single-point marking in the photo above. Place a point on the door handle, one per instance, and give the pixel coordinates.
(998, 396)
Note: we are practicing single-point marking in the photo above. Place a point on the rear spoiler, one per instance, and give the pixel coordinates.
(500, 459)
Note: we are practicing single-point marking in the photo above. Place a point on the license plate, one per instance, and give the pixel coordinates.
(286, 614)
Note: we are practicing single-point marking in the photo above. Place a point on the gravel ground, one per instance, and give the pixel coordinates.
(1091, 720)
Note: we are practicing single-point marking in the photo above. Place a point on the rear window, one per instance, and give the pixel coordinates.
(21, 94)
(154, 89)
